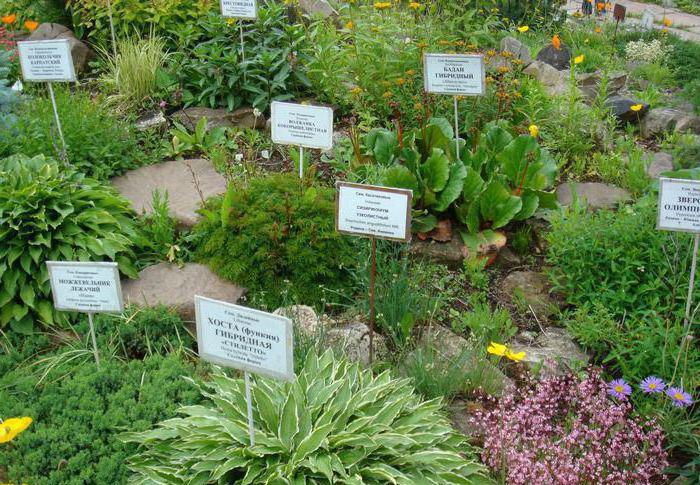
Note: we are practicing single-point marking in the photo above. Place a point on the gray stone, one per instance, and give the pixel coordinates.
(559, 59)
(664, 120)
(531, 289)
(555, 82)
(662, 162)
(595, 194)
(621, 108)
(303, 317)
(353, 340)
(149, 121)
(508, 259)
(518, 49)
(450, 253)
(173, 286)
(187, 182)
(80, 52)
(554, 351)
(241, 118)
(589, 83)
(318, 7)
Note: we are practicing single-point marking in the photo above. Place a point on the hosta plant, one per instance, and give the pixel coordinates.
(51, 212)
(335, 424)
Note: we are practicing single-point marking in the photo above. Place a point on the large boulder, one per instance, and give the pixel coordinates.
(318, 8)
(353, 340)
(533, 290)
(450, 253)
(554, 81)
(621, 108)
(553, 351)
(187, 183)
(519, 50)
(559, 59)
(660, 163)
(589, 83)
(80, 52)
(303, 317)
(175, 287)
(595, 194)
(664, 120)
(241, 118)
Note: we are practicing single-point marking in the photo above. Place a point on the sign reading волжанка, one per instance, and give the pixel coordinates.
(85, 287)
(679, 205)
(242, 9)
(243, 338)
(46, 60)
(456, 74)
(368, 210)
(302, 125)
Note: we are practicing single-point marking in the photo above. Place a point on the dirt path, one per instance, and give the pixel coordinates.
(685, 25)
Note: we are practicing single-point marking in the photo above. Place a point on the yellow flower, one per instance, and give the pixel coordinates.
(523, 28)
(410, 72)
(400, 81)
(382, 5)
(10, 428)
(349, 25)
(422, 45)
(534, 131)
(667, 22)
(598, 30)
(387, 95)
(414, 5)
(503, 69)
(636, 107)
(579, 59)
(230, 21)
(503, 351)
(444, 42)
(9, 19)
(31, 25)
(357, 90)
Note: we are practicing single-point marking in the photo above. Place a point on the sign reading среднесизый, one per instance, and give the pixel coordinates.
(368, 210)
(243, 338)
(457, 74)
(85, 287)
(679, 205)
(302, 125)
(242, 9)
(46, 60)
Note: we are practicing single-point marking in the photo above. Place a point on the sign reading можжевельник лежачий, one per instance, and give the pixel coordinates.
(85, 286)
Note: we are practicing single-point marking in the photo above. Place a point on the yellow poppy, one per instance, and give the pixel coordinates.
(31, 25)
(414, 5)
(349, 25)
(9, 19)
(534, 131)
(579, 59)
(636, 107)
(10, 428)
(523, 28)
(503, 351)
(382, 5)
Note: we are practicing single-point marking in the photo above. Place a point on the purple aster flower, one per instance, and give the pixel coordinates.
(619, 389)
(652, 384)
(679, 397)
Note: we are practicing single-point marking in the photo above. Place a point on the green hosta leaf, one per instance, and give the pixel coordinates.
(530, 204)
(473, 185)
(498, 205)
(289, 422)
(454, 187)
(436, 170)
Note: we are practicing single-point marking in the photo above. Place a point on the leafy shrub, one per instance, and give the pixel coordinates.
(99, 144)
(335, 423)
(567, 430)
(685, 57)
(73, 439)
(50, 212)
(8, 98)
(277, 229)
(37, 10)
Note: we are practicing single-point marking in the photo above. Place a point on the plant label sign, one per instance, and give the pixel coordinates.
(368, 210)
(245, 339)
(85, 287)
(647, 20)
(679, 205)
(302, 125)
(46, 60)
(619, 12)
(242, 9)
(455, 74)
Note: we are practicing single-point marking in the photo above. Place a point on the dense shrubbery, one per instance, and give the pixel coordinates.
(277, 236)
(99, 144)
(335, 423)
(50, 212)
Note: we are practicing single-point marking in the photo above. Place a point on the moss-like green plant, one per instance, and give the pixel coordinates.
(335, 424)
(277, 237)
(51, 212)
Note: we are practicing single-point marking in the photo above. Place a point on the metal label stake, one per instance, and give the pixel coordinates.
(64, 147)
(249, 401)
(456, 98)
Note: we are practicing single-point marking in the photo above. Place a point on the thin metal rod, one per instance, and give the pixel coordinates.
(94, 339)
(372, 284)
(456, 128)
(301, 162)
(64, 153)
(251, 424)
(111, 29)
(686, 325)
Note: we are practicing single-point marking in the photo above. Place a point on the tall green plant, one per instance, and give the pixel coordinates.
(335, 424)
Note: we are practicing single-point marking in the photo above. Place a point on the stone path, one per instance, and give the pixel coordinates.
(685, 25)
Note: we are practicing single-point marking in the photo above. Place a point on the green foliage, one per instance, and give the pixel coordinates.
(99, 144)
(276, 229)
(159, 239)
(38, 10)
(8, 98)
(198, 142)
(484, 324)
(73, 439)
(49, 212)
(685, 58)
(594, 327)
(335, 423)
(435, 376)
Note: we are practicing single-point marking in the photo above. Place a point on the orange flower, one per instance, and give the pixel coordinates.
(601, 6)
(9, 19)
(667, 22)
(556, 41)
(31, 25)
(598, 30)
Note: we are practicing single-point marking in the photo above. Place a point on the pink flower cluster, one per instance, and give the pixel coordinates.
(566, 431)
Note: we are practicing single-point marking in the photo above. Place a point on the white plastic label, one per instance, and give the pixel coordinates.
(242, 9)
(85, 287)
(456, 74)
(679, 205)
(46, 60)
(302, 125)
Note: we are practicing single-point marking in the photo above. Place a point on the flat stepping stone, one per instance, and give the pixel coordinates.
(185, 181)
(175, 287)
(595, 194)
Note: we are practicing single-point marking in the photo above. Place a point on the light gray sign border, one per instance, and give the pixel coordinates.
(666, 180)
(85, 264)
(465, 56)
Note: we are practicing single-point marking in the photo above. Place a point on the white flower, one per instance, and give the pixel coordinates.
(256, 112)
(265, 154)
(239, 157)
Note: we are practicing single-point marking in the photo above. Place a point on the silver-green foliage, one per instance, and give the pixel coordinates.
(335, 424)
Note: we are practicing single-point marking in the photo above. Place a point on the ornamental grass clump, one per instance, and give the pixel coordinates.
(565, 430)
(335, 424)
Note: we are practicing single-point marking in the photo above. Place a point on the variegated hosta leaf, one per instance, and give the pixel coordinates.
(336, 424)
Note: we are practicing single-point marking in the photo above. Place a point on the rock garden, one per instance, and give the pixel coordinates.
(536, 328)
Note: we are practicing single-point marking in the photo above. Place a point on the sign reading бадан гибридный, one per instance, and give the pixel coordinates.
(456, 74)
(679, 205)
